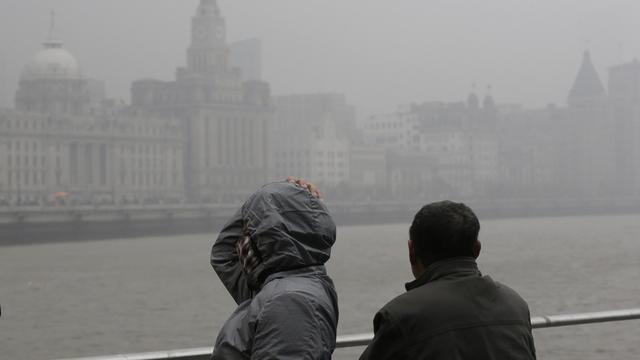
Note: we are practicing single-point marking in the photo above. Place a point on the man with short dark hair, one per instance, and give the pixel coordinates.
(451, 311)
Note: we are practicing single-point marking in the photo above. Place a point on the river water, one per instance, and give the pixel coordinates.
(135, 295)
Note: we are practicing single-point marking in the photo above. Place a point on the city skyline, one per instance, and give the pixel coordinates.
(212, 134)
(546, 57)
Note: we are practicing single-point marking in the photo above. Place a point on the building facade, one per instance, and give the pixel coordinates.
(224, 119)
(64, 142)
(310, 138)
(443, 149)
(624, 95)
(246, 55)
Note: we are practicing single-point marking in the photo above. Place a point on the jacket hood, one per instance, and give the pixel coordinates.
(288, 227)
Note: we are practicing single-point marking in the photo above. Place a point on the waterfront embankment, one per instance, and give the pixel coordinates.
(35, 224)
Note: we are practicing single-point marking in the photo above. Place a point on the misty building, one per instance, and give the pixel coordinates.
(584, 150)
(53, 83)
(534, 153)
(624, 95)
(367, 172)
(397, 131)
(246, 55)
(63, 137)
(456, 143)
(591, 137)
(224, 119)
(108, 158)
(310, 137)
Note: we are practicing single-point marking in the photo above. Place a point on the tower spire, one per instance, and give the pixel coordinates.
(51, 41)
(472, 99)
(587, 85)
(52, 25)
(489, 103)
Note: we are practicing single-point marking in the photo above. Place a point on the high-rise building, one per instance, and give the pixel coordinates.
(246, 55)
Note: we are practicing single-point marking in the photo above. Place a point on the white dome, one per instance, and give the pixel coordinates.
(52, 62)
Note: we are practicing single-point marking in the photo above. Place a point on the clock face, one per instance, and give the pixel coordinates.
(219, 31)
(200, 32)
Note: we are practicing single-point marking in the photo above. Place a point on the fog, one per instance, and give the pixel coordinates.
(429, 100)
(381, 54)
(152, 121)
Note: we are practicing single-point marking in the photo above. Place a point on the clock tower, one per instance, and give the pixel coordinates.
(224, 119)
(208, 52)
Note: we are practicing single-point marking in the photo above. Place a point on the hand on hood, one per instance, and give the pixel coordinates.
(288, 228)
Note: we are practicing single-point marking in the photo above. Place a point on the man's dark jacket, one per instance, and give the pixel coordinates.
(452, 312)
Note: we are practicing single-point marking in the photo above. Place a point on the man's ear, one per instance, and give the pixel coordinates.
(476, 249)
(412, 253)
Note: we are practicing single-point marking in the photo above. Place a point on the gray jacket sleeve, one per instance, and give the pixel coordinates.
(224, 259)
(287, 329)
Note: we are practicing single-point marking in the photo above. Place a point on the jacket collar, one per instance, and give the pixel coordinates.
(448, 268)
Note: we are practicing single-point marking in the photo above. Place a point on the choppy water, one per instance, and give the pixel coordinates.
(98, 298)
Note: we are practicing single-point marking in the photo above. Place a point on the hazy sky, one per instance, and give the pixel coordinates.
(380, 53)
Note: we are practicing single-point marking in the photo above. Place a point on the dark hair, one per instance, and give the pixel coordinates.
(443, 230)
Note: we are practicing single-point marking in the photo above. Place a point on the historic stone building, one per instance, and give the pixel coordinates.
(224, 119)
(65, 142)
(439, 149)
(310, 138)
(591, 134)
(52, 83)
(624, 94)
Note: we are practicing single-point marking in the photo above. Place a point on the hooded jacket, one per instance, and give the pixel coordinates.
(287, 304)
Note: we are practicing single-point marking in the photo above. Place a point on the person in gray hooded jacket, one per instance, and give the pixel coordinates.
(270, 256)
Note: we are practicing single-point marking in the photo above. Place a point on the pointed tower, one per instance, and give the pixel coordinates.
(589, 135)
(473, 103)
(489, 104)
(208, 52)
(587, 88)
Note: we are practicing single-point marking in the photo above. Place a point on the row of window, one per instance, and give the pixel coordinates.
(27, 146)
(231, 142)
(300, 164)
(24, 179)
(148, 164)
(25, 161)
(378, 126)
(146, 179)
(307, 153)
(16, 180)
(151, 128)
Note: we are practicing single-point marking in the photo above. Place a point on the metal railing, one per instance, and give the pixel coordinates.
(537, 322)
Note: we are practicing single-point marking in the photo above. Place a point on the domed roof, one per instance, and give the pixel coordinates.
(52, 62)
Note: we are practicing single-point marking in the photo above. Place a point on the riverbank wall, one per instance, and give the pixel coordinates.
(36, 225)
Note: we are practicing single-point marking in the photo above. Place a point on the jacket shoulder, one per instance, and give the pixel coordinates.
(472, 300)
